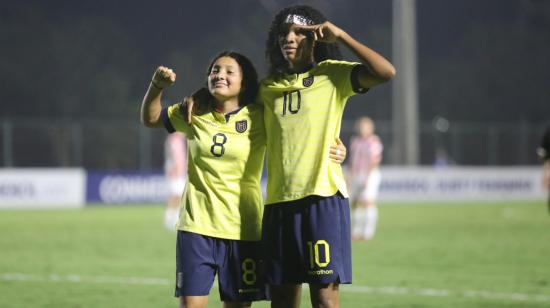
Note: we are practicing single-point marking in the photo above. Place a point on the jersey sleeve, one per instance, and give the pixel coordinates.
(174, 120)
(345, 76)
(354, 78)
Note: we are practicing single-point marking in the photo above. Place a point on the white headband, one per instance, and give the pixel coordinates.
(298, 20)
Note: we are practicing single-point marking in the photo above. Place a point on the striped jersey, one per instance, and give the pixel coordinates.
(302, 114)
(222, 196)
(364, 152)
(175, 156)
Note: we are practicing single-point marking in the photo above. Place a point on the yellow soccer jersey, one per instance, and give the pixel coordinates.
(302, 114)
(222, 197)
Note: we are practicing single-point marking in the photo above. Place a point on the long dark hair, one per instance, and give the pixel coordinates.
(322, 51)
(249, 84)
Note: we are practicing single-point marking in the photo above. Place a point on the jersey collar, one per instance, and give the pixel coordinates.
(293, 77)
(218, 115)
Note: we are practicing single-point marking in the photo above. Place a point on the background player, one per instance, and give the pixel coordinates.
(544, 154)
(364, 178)
(175, 170)
(306, 224)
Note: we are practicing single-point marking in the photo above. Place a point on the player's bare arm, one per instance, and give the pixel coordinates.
(377, 69)
(151, 106)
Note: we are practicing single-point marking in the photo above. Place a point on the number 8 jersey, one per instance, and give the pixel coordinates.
(223, 197)
(303, 114)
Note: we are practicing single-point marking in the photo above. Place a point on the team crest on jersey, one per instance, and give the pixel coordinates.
(241, 126)
(308, 81)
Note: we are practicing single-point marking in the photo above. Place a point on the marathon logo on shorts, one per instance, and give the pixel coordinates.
(308, 81)
(241, 126)
(321, 272)
(243, 291)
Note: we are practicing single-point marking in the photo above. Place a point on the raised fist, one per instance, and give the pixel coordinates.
(163, 77)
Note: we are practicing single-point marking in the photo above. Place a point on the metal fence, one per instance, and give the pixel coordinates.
(100, 144)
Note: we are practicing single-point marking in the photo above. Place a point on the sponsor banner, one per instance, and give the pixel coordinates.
(42, 188)
(126, 187)
(467, 183)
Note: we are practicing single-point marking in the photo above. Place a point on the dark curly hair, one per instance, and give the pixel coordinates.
(249, 84)
(322, 51)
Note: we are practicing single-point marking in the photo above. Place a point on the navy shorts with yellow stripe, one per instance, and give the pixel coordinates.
(237, 263)
(308, 241)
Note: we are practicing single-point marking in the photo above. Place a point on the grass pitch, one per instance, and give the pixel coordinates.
(423, 255)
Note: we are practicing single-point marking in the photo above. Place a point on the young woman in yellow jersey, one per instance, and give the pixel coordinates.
(220, 219)
(306, 224)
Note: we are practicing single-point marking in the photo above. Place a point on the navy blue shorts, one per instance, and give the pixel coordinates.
(307, 240)
(237, 263)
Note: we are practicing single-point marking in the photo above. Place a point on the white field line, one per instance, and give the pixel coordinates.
(446, 293)
(84, 279)
(20, 277)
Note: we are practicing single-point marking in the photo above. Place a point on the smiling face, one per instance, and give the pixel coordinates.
(296, 46)
(225, 78)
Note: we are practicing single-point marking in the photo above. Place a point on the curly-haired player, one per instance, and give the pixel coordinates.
(306, 225)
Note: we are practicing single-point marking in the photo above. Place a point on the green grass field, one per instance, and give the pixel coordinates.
(436, 255)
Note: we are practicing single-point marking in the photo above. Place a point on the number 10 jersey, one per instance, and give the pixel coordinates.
(302, 114)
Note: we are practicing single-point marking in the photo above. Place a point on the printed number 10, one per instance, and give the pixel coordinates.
(293, 104)
(314, 253)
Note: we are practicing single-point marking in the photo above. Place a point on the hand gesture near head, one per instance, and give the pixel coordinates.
(163, 77)
(326, 32)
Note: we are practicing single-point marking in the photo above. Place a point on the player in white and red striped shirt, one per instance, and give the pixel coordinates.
(175, 170)
(544, 154)
(364, 178)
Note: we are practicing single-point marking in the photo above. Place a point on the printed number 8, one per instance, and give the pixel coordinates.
(217, 144)
(249, 271)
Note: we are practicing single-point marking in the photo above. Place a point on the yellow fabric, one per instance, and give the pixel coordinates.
(223, 197)
(302, 114)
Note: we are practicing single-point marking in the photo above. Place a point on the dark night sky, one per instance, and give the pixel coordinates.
(176, 23)
(480, 63)
(164, 32)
